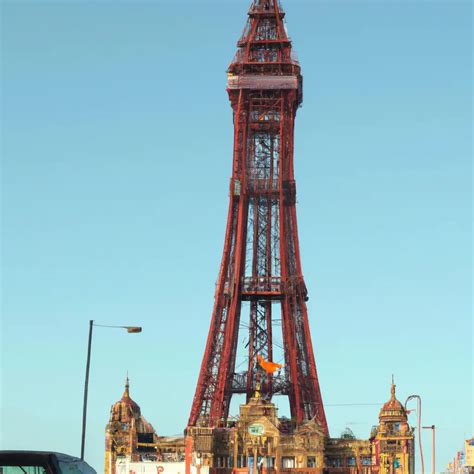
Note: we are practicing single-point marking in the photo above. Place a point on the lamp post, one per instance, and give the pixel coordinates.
(433, 447)
(418, 412)
(130, 329)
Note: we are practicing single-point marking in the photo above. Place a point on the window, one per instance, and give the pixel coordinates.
(265, 115)
(287, 462)
(241, 461)
(145, 437)
(263, 54)
(22, 470)
(334, 462)
(351, 461)
(266, 30)
(311, 461)
(264, 156)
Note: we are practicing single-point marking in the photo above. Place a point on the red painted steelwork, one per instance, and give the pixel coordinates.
(261, 260)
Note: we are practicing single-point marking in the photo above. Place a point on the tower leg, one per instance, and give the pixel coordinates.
(188, 453)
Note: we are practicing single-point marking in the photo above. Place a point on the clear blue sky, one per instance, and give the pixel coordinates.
(116, 144)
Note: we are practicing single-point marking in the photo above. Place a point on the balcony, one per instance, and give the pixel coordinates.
(262, 287)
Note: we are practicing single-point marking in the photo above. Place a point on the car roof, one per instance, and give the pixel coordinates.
(37, 453)
(43, 457)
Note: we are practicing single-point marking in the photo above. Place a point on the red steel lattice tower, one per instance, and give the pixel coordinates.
(261, 260)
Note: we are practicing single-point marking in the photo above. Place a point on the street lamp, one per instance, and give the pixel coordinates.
(433, 446)
(418, 412)
(130, 329)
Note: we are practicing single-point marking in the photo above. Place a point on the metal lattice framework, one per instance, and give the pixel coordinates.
(261, 259)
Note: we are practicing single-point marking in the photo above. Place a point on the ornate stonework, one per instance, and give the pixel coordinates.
(260, 442)
(394, 439)
(128, 434)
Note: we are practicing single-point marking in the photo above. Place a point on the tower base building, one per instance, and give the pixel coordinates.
(257, 442)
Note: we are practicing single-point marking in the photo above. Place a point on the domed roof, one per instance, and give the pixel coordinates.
(144, 426)
(393, 408)
(125, 409)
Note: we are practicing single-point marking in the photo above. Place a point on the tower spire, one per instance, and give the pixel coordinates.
(392, 389)
(126, 393)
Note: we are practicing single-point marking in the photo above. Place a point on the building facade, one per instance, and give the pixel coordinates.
(258, 442)
(463, 462)
(131, 442)
(469, 454)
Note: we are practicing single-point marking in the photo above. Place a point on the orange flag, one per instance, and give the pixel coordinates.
(268, 366)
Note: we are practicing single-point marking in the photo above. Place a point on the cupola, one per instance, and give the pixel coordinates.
(393, 419)
(125, 409)
(393, 408)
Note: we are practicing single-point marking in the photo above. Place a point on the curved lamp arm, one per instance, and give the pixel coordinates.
(130, 329)
(418, 412)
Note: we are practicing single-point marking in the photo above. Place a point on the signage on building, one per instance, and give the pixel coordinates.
(256, 429)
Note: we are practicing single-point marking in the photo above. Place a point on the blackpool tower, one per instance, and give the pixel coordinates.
(260, 278)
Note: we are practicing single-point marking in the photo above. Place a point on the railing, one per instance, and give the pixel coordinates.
(302, 470)
(264, 470)
(261, 81)
(221, 470)
(262, 284)
(280, 384)
(351, 470)
(259, 184)
(265, 7)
